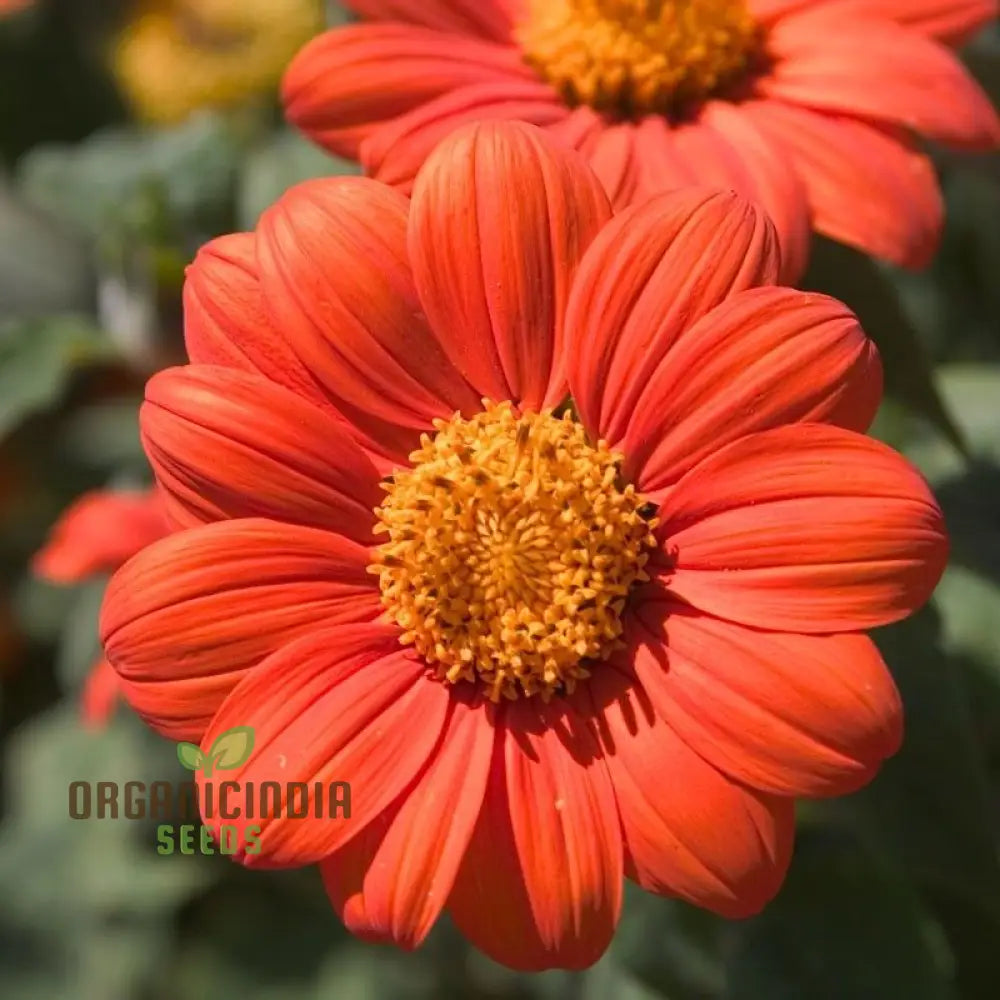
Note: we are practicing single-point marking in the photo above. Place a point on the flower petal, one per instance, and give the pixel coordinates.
(499, 222)
(765, 174)
(346, 82)
(950, 20)
(337, 282)
(98, 532)
(872, 68)
(799, 715)
(226, 443)
(391, 882)
(764, 358)
(867, 186)
(184, 620)
(226, 321)
(651, 273)
(688, 830)
(614, 153)
(806, 528)
(395, 153)
(540, 885)
(661, 167)
(341, 705)
(486, 18)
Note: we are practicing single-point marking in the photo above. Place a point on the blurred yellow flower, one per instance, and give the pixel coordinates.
(176, 56)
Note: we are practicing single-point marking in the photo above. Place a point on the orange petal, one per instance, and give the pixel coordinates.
(759, 169)
(500, 219)
(803, 528)
(662, 168)
(872, 68)
(395, 153)
(800, 715)
(227, 323)
(689, 831)
(341, 705)
(950, 20)
(184, 620)
(540, 885)
(226, 443)
(486, 18)
(391, 882)
(98, 532)
(348, 81)
(615, 154)
(335, 275)
(764, 358)
(867, 186)
(651, 273)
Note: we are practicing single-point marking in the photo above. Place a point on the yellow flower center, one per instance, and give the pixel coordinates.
(637, 57)
(512, 545)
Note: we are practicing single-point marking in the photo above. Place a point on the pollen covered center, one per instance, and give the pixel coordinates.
(512, 544)
(636, 57)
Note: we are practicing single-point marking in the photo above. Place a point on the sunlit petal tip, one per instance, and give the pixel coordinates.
(338, 283)
(805, 528)
(221, 299)
(342, 705)
(501, 217)
(229, 443)
(185, 619)
(793, 715)
(651, 273)
(346, 83)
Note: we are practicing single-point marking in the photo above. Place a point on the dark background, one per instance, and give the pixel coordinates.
(894, 892)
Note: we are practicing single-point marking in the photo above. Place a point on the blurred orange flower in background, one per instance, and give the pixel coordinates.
(97, 534)
(176, 56)
(610, 639)
(809, 106)
(12, 6)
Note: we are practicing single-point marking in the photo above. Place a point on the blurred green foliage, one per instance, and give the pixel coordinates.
(894, 892)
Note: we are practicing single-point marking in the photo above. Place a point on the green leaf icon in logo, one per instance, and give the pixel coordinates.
(230, 749)
(190, 756)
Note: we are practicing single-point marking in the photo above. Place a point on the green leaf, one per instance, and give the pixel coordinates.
(859, 281)
(37, 358)
(79, 646)
(105, 436)
(119, 172)
(117, 898)
(337, 14)
(669, 945)
(231, 749)
(939, 772)
(287, 159)
(190, 756)
(44, 268)
(842, 927)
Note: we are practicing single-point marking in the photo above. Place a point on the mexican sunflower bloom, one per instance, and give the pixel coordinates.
(176, 56)
(809, 106)
(97, 534)
(552, 533)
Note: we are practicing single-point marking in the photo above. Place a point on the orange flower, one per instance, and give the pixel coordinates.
(809, 106)
(547, 650)
(13, 6)
(97, 534)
